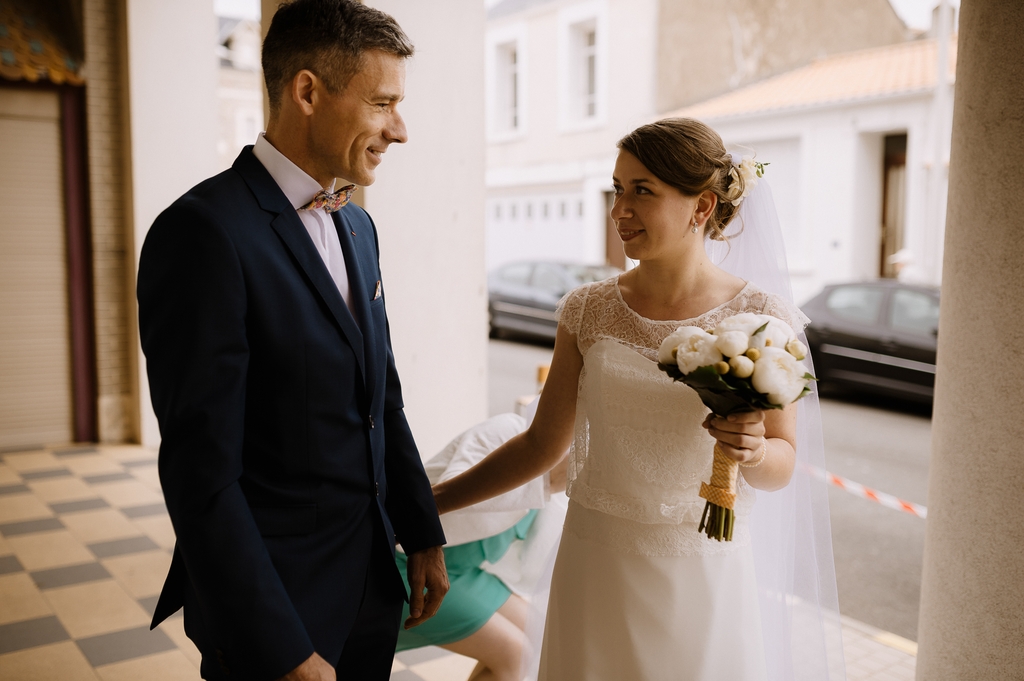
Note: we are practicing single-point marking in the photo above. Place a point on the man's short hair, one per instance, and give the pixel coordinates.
(327, 37)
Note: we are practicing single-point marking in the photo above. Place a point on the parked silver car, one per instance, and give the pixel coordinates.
(522, 296)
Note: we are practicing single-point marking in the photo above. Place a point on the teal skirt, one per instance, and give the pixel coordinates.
(473, 596)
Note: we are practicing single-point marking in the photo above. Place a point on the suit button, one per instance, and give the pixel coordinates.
(371, 422)
(376, 488)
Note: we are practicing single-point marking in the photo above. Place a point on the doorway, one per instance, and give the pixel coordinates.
(613, 253)
(894, 202)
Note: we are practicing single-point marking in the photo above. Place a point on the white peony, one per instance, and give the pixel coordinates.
(747, 322)
(778, 332)
(732, 343)
(778, 375)
(665, 350)
(796, 348)
(695, 348)
(742, 366)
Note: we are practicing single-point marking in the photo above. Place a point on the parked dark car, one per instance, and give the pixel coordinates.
(876, 336)
(522, 296)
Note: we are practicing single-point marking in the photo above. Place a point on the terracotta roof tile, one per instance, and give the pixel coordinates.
(853, 76)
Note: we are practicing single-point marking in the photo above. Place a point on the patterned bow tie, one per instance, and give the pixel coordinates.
(330, 201)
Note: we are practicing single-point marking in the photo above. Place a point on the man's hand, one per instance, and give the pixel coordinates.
(315, 668)
(426, 570)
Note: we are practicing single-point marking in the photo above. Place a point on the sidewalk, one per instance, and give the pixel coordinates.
(85, 543)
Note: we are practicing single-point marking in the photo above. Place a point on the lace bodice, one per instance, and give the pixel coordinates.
(639, 453)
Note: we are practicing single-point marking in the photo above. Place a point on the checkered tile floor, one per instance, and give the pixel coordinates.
(85, 543)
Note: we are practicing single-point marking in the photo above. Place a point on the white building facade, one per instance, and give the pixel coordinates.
(566, 79)
(562, 88)
(858, 147)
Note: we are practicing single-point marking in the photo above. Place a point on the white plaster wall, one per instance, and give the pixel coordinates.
(428, 204)
(172, 125)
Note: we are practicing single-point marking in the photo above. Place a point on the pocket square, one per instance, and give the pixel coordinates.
(376, 293)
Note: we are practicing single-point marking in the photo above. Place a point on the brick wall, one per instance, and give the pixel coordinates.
(109, 194)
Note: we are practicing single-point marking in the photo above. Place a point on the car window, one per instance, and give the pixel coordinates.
(516, 274)
(584, 274)
(914, 311)
(547, 278)
(856, 303)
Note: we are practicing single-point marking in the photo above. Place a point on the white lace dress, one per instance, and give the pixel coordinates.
(637, 592)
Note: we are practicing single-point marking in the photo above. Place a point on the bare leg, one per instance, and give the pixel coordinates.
(498, 645)
(515, 610)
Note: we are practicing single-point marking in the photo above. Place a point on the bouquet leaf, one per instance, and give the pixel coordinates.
(723, 395)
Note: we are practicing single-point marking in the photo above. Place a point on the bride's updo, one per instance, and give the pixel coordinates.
(688, 155)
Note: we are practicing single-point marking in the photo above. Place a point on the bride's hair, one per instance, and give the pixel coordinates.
(688, 155)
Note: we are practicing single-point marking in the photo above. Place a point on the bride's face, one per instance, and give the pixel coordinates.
(653, 219)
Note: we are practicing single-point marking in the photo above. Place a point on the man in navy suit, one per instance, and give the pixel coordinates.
(286, 460)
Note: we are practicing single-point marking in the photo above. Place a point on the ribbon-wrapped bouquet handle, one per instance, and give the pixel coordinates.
(749, 362)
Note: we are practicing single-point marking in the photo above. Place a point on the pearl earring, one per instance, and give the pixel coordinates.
(694, 230)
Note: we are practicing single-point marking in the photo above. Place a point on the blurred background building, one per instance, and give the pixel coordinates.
(840, 97)
(239, 86)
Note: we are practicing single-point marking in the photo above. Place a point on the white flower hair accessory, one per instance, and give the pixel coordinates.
(747, 170)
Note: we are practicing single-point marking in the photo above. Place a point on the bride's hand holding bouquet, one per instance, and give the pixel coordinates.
(748, 364)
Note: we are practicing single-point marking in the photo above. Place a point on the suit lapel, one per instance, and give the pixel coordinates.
(359, 295)
(296, 239)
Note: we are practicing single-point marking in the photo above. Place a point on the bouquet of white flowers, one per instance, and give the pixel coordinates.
(748, 362)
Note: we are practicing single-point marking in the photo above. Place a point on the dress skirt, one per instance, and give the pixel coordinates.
(615, 615)
(474, 594)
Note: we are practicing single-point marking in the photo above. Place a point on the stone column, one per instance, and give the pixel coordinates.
(972, 595)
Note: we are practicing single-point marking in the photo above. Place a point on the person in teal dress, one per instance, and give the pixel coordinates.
(482, 615)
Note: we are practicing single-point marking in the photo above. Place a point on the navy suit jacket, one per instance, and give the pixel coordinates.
(285, 448)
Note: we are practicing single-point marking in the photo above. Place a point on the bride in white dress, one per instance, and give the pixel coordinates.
(637, 592)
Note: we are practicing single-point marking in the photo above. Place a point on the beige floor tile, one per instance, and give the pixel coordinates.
(15, 507)
(448, 668)
(158, 528)
(62, 661)
(55, 490)
(169, 666)
(35, 461)
(43, 550)
(8, 476)
(174, 627)
(100, 525)
(20, 599)
(149, 476)
(5, 547)
(96, 608)
(92, 464)
(141, 574)
(127, 493)
(126, 452)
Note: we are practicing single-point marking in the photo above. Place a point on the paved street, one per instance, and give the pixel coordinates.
(878, 551)
(881, 444)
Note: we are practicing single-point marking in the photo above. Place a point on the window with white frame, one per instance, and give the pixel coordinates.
(507, 86)
(582, 65)
(585, 38)
(506, 75)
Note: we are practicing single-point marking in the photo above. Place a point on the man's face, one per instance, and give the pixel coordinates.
(353, 128)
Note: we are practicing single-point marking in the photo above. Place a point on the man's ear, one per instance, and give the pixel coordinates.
(304, 90)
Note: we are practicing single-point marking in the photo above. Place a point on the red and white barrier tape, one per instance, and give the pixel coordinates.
(859, 490)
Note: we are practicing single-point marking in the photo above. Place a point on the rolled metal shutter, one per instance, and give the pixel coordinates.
(35, 357)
